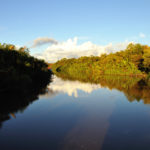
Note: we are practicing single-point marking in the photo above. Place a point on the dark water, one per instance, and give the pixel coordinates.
(74, 115)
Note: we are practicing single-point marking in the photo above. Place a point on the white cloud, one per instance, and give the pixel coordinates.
(70, 49)
(142, 35)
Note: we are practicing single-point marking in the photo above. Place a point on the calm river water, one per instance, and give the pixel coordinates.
(76, 115)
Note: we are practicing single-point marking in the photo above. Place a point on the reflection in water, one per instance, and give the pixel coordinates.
(134, 88)
(18, 100)
(90, 131)
(77, 115)
(96, 129)
(71, 87)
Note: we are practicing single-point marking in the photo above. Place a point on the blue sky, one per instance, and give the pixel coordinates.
(100, 21)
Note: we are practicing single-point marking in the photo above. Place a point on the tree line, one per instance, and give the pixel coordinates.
(19, 70)
(134, 60)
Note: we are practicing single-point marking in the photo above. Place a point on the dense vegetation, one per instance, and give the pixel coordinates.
(22, 79)
(134, 60)
(114, 70)
(20, 71)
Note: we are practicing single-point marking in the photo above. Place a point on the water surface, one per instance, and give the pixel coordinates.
(75, 115)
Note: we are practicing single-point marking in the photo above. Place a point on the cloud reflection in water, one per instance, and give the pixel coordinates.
(72, 87)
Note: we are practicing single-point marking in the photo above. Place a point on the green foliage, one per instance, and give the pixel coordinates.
(134, 60)
(20, 70)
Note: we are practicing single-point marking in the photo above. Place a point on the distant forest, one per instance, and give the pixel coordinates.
(133, 61)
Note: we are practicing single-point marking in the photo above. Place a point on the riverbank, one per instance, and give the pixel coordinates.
(133, 61)
(19, 71)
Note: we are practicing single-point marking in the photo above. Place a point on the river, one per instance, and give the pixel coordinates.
(75, 115)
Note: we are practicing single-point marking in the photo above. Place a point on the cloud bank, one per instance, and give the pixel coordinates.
(43, 40)
(71, 49)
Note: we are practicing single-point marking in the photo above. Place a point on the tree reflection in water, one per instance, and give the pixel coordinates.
(13, 101)
(134, 88)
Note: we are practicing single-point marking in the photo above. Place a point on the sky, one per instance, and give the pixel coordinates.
(90, 26)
